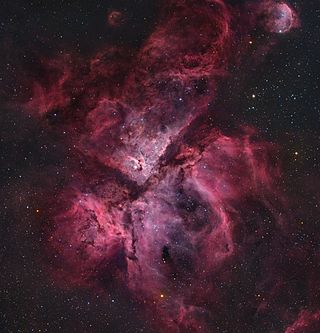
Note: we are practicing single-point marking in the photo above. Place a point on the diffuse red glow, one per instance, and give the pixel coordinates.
(167, 204)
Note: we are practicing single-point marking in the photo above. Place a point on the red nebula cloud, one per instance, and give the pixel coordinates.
(115, 18)
(278, 17)
(307, 322)
(163, 202)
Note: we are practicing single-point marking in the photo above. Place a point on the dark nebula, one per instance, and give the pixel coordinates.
(165, 198)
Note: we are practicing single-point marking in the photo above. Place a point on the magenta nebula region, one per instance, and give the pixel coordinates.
(279, 17)
(161, 201)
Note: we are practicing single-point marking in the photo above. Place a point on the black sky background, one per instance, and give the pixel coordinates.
(286, 110)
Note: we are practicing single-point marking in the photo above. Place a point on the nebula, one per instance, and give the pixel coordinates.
(279, 17)
(186, 216)
(115, 18)
(284, 18)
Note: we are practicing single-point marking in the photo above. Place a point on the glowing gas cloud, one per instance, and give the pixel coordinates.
(164, 203)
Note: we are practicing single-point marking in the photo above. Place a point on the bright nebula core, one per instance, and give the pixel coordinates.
(162, 201)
